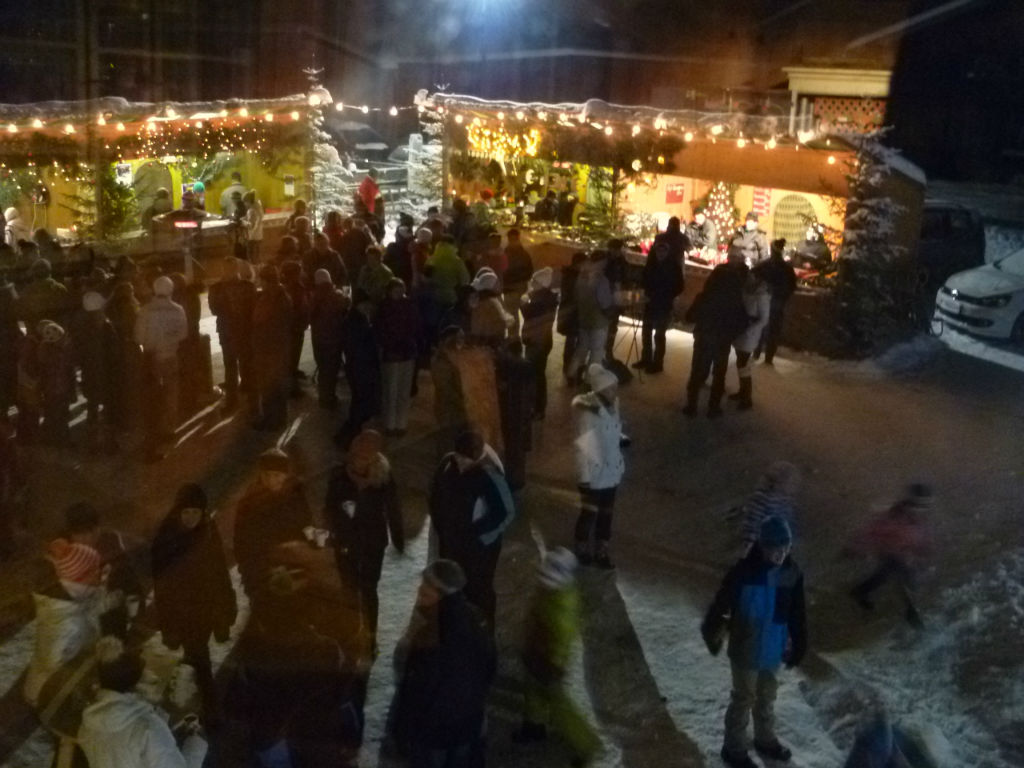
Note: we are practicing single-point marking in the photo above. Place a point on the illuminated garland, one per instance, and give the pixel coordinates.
(500, 144)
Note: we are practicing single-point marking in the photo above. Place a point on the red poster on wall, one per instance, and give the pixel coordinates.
(674, 193)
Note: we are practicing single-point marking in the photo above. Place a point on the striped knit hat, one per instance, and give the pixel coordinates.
(75, 562)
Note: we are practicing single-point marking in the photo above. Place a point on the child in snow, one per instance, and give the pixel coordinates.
(761, 605)
(599, 464)
(898, 540)
(551, 629)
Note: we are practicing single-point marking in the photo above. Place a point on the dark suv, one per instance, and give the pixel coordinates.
(952, 240)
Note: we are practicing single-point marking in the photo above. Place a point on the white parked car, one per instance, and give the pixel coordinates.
(986, 301)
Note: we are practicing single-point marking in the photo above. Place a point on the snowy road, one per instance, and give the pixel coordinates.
(858, 432)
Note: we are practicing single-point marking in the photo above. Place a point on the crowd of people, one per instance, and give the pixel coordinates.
(451, 296)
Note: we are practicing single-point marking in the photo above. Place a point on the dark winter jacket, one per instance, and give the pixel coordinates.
(191, 586)
(97, 349)
(813, 254)
(469, 509)
(327, 309)
(780, 277)
(448, 662)
(567, 323)
(329, 260)
(271, 334)
(762, 607)
(703, 235)
(398, 330)
(42, 299)
(663, 280)
(359, 346)
(352, 249)
(677, 241)
(231, 302)
(539, 308)
(519, 268)
(718, 311)
(752, 246)
(263, 521)
(360, 540)
(398, 258)
(300, 304)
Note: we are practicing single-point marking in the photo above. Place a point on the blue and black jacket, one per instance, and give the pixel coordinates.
(762, 606)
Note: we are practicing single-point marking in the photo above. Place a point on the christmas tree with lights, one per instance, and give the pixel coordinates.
(720, 206)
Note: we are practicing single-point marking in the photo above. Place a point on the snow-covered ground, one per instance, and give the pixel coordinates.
(858, 431)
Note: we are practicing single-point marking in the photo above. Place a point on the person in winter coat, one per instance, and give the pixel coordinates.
(749, 243)
(663, 281)
(253, 226)
(399, 335)
(192, 590)
(593, 297)
(781, 280)
(489, 322)
(159, 329)
(362, 371)
(599, 464)
(470, 507)
(96, 348)
(444, 664)
(231, 301)
(294, 284)
(302, 231)
(15, 228)
(43, 298)
(361, 509)
(813, 252)
(760, 604)
(10, 342)
(539, 306)
(675, 238)
(56, 369)
(324, 257)
(449, 272)
(757, 302)
(516, 396)
(703, 237)
(272, 334)
(719, 317)
(374, 277)
(301, 688)
(552, 626)
(398, 257)
(67, 610)
(161, 204)
(899, 540)
(449, 403)
(616, 268)
(122, 309)
(272, 511)
(567, 321)
(420, 250)
(515, 282)
(773, 497)
(120, 729)
(352, 246)
(327, 309)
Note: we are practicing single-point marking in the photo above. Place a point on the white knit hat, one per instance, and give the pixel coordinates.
(485, 281)
(557, 568)
(163, 286)
(322, 277)
(542, 278)
(599, 377)
(92, 301)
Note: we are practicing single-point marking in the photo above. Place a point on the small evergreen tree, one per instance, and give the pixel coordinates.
(102, 207)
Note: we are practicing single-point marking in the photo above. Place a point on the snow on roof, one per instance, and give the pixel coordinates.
(119, 108)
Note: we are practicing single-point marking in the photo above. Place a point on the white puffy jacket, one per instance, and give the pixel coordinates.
(599, 461)
(123, 730)
(160, 327)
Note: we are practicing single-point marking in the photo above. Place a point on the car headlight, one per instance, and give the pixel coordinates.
(995, 301)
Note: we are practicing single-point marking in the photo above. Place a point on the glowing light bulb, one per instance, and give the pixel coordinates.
(688, 136)
(501, 115)
(151, 126)
(365, 109)
(608, 130)
(295, 115)
(100, 120)
(458, 119)
(339, 107)
(636, 130)
(120, 126)
(741, 143)
(661, 159)
(269, 117)
(831, 159)
(393, 111)
(637, 165)
(37, 123)
(69, 128)
(542, 115)
(520, 115)
(771, 143)
(12, 128)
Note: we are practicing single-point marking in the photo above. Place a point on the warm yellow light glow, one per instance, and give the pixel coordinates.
(198, 124)
(120, 126)
(831, 159)
(12, 128)
(393, 111)
(501, 115)
(608, 130)
(37, 123)
(171, 113)
(661, 159)
(151, 126)
(688, 136)
(500, 143)
(101, 120)
(520, 115)
(365, 109)
(314, 99)
(716, 130)
(295, 115)
(771, 143)
(339, 107)
(636, 130)
(269, 117)
(542, 115)
(637, 165)
(69, 128)
(741, 143)
(459, 118)
(243, 112)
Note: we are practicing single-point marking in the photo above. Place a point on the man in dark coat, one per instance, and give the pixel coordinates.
(362, 509)
(191, 587)
(749, 242)
(327, 309)
(294, 283)
(324, 257)
(703, 237)
(518, 271)
(231, 301)
(761, 605)
(781, 279)
(96, 348)
(273, 511)
(720, 317)
(445, 664)
(677, 241)
(362, 371)
(470, 507)
(352, 247)
(271, 341)
(663, 281)
(42, 299)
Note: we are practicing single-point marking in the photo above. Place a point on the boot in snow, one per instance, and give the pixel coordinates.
(773, 750)
(737, 759)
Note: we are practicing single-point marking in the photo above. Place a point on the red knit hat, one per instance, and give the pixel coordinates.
(75, 562)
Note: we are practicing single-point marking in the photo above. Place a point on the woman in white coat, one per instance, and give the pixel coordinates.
(757, 301)
(599, 464)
